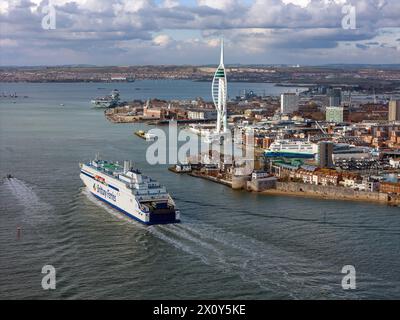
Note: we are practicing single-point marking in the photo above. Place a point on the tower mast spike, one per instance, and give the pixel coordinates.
(222, 52)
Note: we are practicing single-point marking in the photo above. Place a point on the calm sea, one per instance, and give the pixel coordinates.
(230, 244)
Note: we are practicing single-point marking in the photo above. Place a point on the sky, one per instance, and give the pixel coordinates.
(165, 32)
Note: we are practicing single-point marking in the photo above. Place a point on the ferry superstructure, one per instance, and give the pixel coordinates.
(292, 149)
(137, 196)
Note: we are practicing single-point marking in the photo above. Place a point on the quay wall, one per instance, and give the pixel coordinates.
(305, 190)
(335, 192)
(239, 182)
(211, 178)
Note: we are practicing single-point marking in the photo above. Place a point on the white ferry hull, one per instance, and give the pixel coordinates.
(114, 194)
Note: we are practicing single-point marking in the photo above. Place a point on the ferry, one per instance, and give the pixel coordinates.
(292, 149)
(124, 188)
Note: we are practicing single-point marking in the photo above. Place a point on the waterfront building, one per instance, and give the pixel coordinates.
(153, 113)
(118, 78)
(305, 173)
(394, 110)
(202, 114)
(390, 187)
(260, 181)
(335, 97)
(326, 177)
(325, 152)
(289, 103)
(334, 114)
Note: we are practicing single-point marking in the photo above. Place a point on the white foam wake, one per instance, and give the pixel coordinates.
(255, 262)
(35, 210)
(115, 213)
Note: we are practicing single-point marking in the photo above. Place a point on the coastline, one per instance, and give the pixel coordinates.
(334, 193)
(276, 192)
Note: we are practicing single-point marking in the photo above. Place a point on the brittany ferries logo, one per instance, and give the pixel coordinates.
(104, 193)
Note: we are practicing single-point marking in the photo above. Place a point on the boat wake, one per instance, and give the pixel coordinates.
(272, 269)
(35, 210)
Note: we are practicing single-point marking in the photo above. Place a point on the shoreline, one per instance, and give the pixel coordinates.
(210, 178)
(300, 194)
(275, 192)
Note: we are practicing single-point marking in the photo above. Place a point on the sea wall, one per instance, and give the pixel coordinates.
(239, 182)
(211, 178)
(259, 185)
(335, 192)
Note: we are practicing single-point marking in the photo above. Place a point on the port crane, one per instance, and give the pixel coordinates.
(320, 127)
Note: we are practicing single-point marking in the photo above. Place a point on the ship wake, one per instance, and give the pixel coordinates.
(257, 263)
(35, 210)
(276, 272)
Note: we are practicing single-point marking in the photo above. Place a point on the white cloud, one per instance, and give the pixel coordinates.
(170, 3)
(214, 43)
(301, 3)
(219, 4)
(162, 40)
(8, 43)
(4, 6)
(255, 31)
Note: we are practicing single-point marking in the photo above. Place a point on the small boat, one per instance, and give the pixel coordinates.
(150, 136)
(146, 135)
(9, 176)
(62, 104)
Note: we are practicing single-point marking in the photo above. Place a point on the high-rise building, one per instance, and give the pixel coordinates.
(220, 93)
(335, 97)
(394, 110)
(325, 153)
(334, 114)
(289, 103)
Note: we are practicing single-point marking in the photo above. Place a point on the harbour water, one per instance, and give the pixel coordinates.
(230, 244)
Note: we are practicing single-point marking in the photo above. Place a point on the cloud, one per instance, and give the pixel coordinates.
(8, 43)
(259, 31)
(162, 40)
(361, 46)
